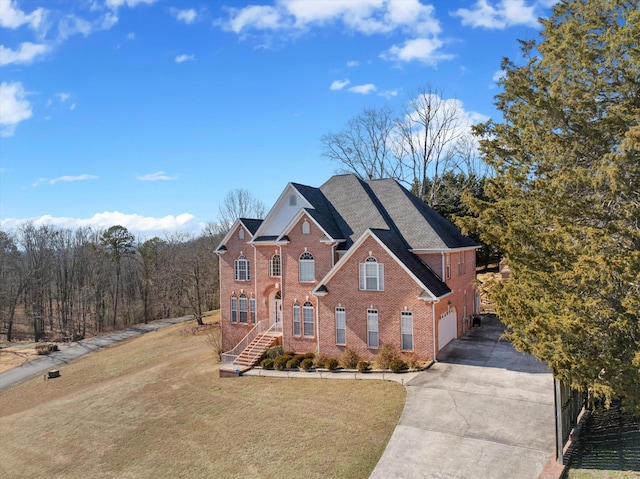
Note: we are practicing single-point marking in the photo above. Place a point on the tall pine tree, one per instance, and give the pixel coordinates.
(564, 204)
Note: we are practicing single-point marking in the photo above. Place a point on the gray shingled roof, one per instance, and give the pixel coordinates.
(421, 226)
(251, 224)
(399, 248)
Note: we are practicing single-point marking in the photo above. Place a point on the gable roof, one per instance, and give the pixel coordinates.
(250, 224)
(432, 286)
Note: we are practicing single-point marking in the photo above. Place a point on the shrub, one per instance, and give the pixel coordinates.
(281, 362)
(363, 366)
(397, 365)
(386, 354)
(413, 361)
(349, 359)
(267, 363)
(331, 364)
(293, 363)
(306, 364)
(309, 356)
(320, 360)
(273, 352)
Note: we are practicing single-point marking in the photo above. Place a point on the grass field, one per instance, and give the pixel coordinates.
(154, 407)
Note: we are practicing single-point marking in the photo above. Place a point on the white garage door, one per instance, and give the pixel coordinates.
(447, 328)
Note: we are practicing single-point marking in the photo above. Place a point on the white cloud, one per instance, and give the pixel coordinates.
(505, 13)
(12, 17)
(498, 75)
(63, 96)
(184, 58)
(133, 222)
(352, 63)
(131, 36)
(14, 107)
(363, 89)
(129, 3)
(73, 178)
(339, 84)
(157, 176)
(186, 16)
(367, 17)
(424, 50)
(388, 93)
(26, 53)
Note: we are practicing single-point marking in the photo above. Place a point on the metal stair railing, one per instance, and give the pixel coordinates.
(231, 355)
(275, 327)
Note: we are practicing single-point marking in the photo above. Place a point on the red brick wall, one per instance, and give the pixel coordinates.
(233, 333)
(293, 289)
(400, 292)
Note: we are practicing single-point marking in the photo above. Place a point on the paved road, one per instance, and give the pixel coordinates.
(483, 411)
(77, 349)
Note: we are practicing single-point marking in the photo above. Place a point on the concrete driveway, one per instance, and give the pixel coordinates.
(483, 411)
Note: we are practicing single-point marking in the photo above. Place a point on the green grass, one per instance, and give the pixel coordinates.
(155, 407)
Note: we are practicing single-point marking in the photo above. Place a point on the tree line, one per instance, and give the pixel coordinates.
(59, 283)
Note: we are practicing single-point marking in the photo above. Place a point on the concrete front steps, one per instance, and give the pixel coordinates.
(251, 354)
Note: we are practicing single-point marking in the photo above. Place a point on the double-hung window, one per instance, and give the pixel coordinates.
(234, 309)
(371, 275)
(373, 340)
(306, 267)
(296, 319)
(243, 308)
(406, 326)
(275, 266)
(242, 269)
(307, 319)
(341, 326)
(252, 309)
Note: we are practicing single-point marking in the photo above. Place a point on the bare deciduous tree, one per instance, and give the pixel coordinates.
(365, 145)
(238, 203)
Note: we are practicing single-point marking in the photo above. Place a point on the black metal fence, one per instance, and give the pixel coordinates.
(569, 404)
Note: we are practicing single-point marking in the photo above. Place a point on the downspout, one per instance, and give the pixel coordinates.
(433, 334)
(318, 322)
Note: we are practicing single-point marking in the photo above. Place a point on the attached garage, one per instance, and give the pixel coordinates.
(447, 328)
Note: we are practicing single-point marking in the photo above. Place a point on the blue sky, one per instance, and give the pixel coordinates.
(146, 113)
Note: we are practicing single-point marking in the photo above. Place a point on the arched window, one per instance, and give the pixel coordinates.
(307, 319)
(242, 303)
(275, 266)
(296, 319)
(242, 268)
(371, 275)
(306, 228)
(234, 309)
(241, 234)
(306, 267)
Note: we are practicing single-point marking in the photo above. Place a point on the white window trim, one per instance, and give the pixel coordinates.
(341, 326)
(237, 265)
(306, 307)
(310, 263)
(234, 309)
(371, 315)
(379, 275)
(243, 309)
(406, 315)
(296, 319)
(272, 266)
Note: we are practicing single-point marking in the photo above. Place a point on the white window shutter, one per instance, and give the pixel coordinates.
(381, 277)
(363, 281)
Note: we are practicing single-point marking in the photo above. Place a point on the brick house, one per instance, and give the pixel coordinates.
(351, 264)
